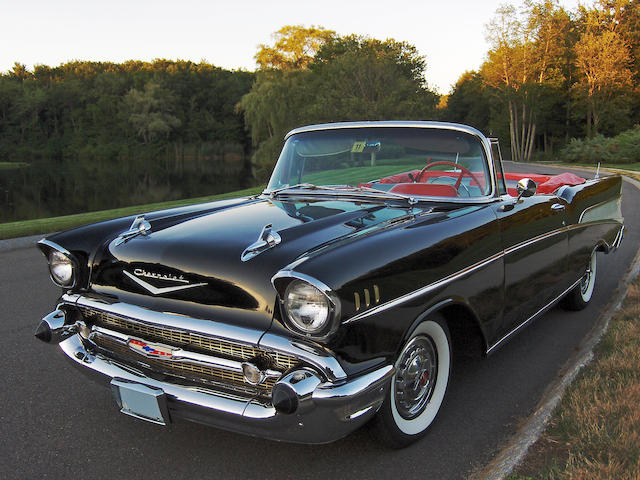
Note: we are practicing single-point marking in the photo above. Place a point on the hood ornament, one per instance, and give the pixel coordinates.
(140, 226)
(266, 240)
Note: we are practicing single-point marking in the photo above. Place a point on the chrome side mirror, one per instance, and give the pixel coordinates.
(526, 188)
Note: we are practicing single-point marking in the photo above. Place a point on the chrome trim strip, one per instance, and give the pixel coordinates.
(421, 291)
(533, 240)
(618, 240)
(531, 318)
(323, 287)
(55, 246)
(388, 123)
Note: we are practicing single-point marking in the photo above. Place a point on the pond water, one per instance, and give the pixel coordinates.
(52, 188)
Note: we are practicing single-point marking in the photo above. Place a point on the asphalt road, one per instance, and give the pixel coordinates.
(54, 423)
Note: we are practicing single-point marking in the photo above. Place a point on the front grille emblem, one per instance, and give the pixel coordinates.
(160, 290)
(150, 349)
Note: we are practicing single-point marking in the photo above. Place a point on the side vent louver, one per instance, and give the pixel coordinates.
(366, 300)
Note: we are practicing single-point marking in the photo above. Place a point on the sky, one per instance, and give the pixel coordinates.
(451, 34)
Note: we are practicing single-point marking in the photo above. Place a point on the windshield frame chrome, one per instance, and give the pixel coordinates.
(412, 199)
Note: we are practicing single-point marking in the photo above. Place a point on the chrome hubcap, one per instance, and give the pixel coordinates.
(416, 374)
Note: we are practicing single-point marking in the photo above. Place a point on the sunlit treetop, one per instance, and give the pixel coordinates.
(294, 47)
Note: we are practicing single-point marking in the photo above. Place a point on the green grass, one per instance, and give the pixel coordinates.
(12, 165)
(595, 431)
(355, 175)
(364, 174)
(54, 224)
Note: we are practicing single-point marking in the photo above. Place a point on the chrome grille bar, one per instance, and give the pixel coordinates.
(183, 338)
(184, 369)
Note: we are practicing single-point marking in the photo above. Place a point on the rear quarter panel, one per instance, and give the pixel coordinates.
(594, 219)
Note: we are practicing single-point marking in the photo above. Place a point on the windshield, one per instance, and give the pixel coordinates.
(401, 160)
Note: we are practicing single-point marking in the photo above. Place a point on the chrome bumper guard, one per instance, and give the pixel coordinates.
(324, 410)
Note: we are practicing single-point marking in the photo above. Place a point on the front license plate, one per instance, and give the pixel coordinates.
(141, 401)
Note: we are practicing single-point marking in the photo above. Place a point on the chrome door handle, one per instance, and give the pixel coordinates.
(557, 206)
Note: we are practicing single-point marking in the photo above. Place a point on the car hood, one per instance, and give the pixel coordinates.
(194, 265)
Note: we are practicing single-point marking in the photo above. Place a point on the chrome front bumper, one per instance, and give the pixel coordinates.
(326, 411)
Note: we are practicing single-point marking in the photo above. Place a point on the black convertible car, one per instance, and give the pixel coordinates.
(336, 297)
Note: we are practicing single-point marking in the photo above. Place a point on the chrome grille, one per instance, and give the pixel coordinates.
(184, 369)
(181, 338)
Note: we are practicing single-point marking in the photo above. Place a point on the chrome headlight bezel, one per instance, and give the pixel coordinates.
(56, 256)
(286, 283)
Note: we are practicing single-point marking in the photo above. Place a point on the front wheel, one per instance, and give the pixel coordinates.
(418, 386)
(580, 296)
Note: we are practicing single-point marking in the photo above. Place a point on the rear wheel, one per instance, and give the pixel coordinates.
(418, 386)
(580, 296)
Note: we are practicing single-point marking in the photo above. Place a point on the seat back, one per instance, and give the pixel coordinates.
(430, 189)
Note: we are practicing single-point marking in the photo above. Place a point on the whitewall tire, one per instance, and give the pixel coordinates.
(580, 296)
(418, 386)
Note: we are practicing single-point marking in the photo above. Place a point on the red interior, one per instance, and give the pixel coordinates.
(430, 189)
(546, 184)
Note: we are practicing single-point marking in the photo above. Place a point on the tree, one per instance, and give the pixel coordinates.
(359, 78)
(604, 60)
(469, 102)
(151, 111)
(276, 103)
(527, 52)
(350, 78)
(294, 47)
(19, 72)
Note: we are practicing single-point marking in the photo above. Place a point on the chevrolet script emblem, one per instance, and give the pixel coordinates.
(138, 272)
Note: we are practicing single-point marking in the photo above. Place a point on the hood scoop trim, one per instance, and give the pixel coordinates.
(266, 240)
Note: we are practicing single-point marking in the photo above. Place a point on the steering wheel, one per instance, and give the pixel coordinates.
(463, 171)
(449, 181)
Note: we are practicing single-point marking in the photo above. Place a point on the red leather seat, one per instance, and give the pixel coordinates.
(430, 189)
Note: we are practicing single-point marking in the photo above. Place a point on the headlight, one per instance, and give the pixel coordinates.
(306, 307)
(61, 268)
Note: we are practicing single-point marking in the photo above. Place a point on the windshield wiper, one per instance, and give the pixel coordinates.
(305, 186)
(345, 188)
(383, 194)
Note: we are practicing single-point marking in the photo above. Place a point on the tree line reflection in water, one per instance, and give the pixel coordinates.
(45, 188)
